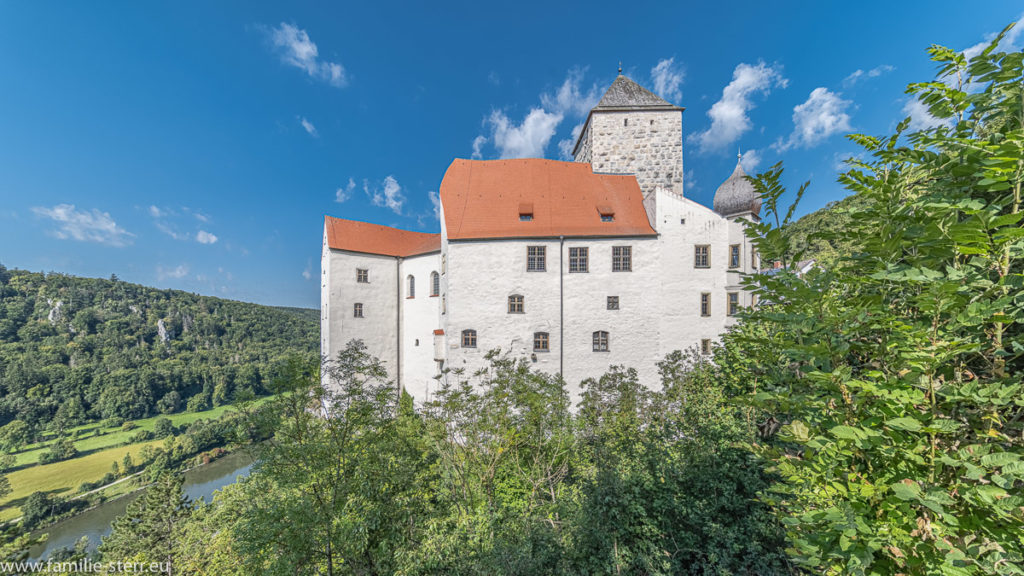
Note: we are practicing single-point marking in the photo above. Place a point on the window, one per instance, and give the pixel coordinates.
(622, 258)
(525, 217)
(705, 346)
(515, 304)
(444, 304)
(600, 341)
(734, 256)
(435, 283)
(753, 259)
(734, 303)
(526, 212)
(411, 280)
(540, 342)
(362, 275)
(607, 217)
(469, 338)
(357, 310)
(701, 256)
(578, 260)
(535, 258)
(613, 302)
(705, 304)
(444, 263)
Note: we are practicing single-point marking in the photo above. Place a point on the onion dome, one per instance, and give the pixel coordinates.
(737, 195)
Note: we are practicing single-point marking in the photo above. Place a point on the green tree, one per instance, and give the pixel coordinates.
(897, 371)
(150, 528)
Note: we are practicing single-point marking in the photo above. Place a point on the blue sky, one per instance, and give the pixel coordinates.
(198, 145)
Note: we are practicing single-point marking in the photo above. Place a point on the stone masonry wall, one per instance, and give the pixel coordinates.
(646, 143)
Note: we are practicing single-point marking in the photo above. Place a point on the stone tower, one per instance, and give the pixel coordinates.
(633, 131)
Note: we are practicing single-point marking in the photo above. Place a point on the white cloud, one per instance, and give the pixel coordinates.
(478, 144)
(155, 212)
(729, 118)
(566, 146)
(822, 115)
(527, 139)
(308, 126)
(570, 97)
(435, 202)
(345, 192)
(667, 78)
(204, 237)
(85, 225)
(388, 195)
(493, 78)
(689, 180)
(859, 75)
(920, 117)
(1008, 44)
(179, 271)
(307, 273)
(296, 49)
(530, 137)
(751, 160)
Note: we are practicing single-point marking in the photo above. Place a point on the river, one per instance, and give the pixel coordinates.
(200, 483)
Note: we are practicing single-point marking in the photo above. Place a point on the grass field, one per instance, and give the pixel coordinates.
(63, 478)
(93, 438)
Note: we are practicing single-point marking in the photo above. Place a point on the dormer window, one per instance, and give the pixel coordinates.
(526, 212)
(607, 214)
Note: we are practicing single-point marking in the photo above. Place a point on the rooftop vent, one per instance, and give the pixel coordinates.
(525, 211)
(606, 212)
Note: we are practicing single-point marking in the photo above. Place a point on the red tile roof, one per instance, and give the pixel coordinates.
(484, 199)
(375, 239)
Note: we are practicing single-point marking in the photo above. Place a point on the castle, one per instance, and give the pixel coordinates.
(575, 265)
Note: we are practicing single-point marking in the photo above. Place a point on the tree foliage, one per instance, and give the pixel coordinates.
(74, 350)
(897, 371)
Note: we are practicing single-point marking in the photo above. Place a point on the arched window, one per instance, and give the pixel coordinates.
(435, 283)
(515, 304)
(412, 286)
(600, 341)
(469, 338)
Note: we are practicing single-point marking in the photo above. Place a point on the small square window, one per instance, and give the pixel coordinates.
(357, 310)
(734, 303)
(362, 275)
(535, 258)
(515, 304)
(578, 259)
(705, 304)
(734, 256)
(705, 346)
(622, 258)
(540, 342)
(469, 338)
(702, 256)
(613, 302)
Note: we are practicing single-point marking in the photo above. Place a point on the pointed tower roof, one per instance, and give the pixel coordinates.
(627, 94)
(737, 195)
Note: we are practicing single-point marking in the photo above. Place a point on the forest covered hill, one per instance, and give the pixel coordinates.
(74, 350)
(824, 235)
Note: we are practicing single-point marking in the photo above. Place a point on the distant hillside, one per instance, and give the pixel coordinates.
(821, 234)
(79, 349)
(310, 314)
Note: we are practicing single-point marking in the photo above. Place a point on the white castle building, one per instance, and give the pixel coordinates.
(575, 265)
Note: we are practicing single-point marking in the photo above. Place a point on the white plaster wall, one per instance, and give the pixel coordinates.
(325, 300)
(419, 320)
(683, 224)
(483, 274)
(377, 328)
